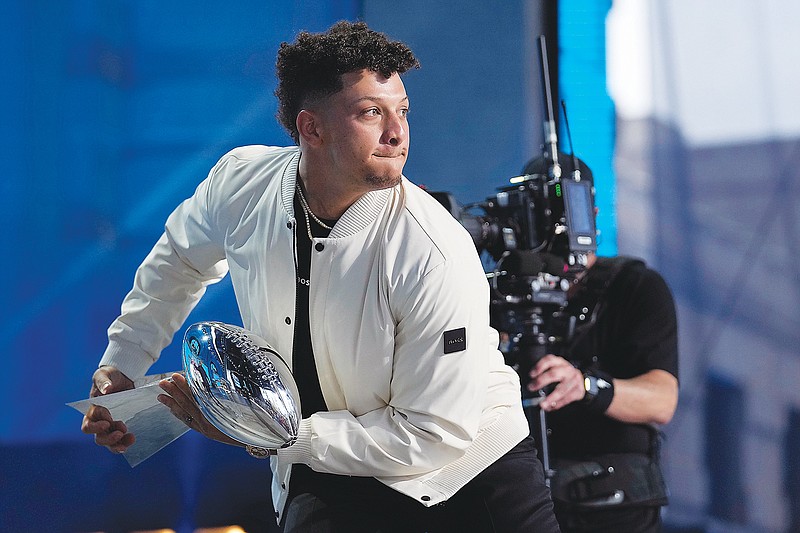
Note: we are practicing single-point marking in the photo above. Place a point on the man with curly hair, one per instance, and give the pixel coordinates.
(374, 293)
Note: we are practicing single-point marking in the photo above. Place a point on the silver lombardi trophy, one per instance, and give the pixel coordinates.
(241, 384)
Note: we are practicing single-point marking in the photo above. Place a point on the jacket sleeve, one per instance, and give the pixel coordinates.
(167, 286)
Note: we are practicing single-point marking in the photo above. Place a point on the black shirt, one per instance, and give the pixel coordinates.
(635, 331)
(304, 369)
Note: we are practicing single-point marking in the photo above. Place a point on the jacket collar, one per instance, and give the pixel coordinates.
(357, 217)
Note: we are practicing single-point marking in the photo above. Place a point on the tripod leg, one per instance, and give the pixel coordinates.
(548, 472)
(537, 421)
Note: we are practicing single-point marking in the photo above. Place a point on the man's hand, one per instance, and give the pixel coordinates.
(650, 398)
(554, 369)
(107, 432)
(181, 403)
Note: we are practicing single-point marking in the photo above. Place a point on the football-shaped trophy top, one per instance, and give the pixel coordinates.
(241, 384)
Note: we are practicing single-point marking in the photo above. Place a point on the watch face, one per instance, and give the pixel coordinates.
(589, 385)
(592, 385)
(258, 453)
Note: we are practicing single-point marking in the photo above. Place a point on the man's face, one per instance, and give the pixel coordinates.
(364, 129)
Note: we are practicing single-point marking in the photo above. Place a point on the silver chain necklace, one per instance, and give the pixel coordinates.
(308, 225)
(308, 212)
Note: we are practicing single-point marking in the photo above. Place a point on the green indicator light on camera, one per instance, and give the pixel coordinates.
(558, 190)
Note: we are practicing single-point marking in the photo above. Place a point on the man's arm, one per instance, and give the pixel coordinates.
(167, 285)
(650, 398)
(647, 399)
(650, 335)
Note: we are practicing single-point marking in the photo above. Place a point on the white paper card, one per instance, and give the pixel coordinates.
(149, 420)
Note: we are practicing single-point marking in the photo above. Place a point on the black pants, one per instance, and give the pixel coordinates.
(509, 496)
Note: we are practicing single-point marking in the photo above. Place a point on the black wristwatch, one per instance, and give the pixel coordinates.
(598, 390)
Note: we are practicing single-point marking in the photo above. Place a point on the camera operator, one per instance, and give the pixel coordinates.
(614, 385)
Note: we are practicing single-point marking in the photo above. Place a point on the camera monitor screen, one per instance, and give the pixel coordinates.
(579, 209)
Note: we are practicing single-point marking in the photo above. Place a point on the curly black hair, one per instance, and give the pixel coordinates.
(312, 66)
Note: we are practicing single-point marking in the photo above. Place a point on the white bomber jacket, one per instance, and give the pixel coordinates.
(418, 394)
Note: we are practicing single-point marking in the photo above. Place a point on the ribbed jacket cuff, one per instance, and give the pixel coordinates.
(494, 442)
(127, 358)
(300, 451)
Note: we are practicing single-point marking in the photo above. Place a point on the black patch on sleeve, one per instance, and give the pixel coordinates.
(455, 340)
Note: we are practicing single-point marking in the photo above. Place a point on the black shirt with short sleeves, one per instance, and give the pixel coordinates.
(635, 331)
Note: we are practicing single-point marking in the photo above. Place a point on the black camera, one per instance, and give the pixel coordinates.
(536, 214)
(539, 232)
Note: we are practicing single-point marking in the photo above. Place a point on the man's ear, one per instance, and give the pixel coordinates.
(308, 127)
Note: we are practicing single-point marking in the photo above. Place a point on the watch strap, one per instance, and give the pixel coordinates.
(598, 389)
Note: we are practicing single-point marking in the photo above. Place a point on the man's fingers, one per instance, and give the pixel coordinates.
(112, 438)
(108, 379)
(548, 362)
(177, 409)
(95, 426)
(178, 390)
(544, 378)
(179, 383)
(180, 401)
(97, 420)
(566, 392)
(115, 437)
(95, 390)
(123, 444)
(549, 369)
(119, 425)
(107, 431)
(98, 412)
